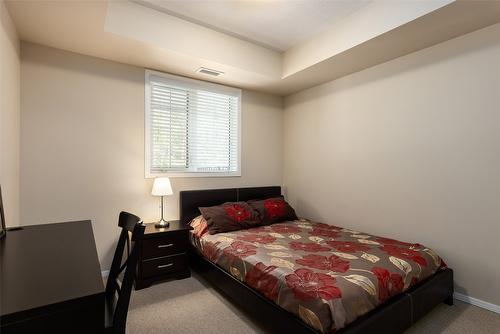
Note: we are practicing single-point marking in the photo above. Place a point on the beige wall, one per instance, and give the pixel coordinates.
(83, 144)
(408, 149)
(10, 68)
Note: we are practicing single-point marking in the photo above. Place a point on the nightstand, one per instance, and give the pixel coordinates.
(163, 254)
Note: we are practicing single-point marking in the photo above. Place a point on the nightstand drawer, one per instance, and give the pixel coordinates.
(169, 244)
(164, 265)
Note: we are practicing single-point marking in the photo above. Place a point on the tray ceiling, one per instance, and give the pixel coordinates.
(354, 37)
(278, 25)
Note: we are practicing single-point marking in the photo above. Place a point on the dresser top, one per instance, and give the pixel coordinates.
(46, 265)
(175, 226)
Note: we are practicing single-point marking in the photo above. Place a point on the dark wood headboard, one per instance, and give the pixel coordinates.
(191, 200)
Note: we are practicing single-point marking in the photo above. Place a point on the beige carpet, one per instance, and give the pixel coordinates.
(190, 306)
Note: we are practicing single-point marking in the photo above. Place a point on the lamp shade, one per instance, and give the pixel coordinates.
(161, 187)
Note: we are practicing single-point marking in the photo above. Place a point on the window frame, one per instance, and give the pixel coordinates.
(147, 123)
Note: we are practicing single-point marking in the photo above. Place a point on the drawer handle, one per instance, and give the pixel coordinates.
(161, 266)
(165, 246)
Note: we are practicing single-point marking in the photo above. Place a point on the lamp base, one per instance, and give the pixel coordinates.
(162, 224)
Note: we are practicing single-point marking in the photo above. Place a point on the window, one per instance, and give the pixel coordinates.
(192, 127)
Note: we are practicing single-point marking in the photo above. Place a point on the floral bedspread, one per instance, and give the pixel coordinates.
(326, 275)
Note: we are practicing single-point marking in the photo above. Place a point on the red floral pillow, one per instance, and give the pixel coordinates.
(273, 210)
(230, 216)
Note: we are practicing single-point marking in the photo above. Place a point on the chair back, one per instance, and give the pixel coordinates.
(124, 261)
(2, 216)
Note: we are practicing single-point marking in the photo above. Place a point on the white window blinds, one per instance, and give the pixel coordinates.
(192, 127)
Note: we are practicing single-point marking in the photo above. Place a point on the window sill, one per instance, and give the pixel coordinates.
(192, 174)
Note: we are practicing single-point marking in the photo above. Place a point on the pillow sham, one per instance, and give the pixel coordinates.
(273, 210)
(230, 216)
(199, 225)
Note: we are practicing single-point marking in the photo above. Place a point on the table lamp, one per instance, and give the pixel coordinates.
(162, 187)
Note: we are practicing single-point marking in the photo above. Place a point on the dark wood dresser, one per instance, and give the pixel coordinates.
(50, 280)
(163, 254)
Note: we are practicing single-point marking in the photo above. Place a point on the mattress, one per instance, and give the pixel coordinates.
(326, 275)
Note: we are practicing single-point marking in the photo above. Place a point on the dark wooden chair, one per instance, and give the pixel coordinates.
(118, 294)
(2, 216)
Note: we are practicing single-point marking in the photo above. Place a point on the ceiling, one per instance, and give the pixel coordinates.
(276, 24)
(319, 47)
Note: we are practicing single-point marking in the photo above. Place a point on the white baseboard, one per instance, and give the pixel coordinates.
(105, 273)
(477, 302)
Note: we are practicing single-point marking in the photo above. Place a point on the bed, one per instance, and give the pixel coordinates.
(364, 281)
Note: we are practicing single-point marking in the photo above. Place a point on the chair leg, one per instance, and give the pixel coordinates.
(449, 301)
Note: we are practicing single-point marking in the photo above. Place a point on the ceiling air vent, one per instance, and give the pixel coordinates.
(208, 71)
